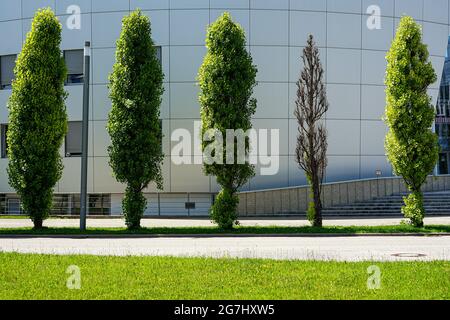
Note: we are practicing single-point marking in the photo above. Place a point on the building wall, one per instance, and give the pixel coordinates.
(295, 200)
(353, 56)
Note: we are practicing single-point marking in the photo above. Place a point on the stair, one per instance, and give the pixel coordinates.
(436, 204)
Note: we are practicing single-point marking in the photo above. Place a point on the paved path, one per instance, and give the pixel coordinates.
(116, 223)
(304, 248)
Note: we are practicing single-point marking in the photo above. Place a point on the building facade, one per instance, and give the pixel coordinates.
(443, 117)
(353, 37)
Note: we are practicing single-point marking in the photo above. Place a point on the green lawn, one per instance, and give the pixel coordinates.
(237, 230)
(13, 216)
(44, 277)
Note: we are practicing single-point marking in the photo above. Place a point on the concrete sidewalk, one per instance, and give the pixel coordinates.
(205, 222)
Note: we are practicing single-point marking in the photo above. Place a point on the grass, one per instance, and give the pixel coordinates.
(44, 277)
(13, 216)
(236, 231)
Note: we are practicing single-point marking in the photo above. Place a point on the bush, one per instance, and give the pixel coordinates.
(223, 211)
(133, 205)
(37, 117)
(414, 209)
(136, 87)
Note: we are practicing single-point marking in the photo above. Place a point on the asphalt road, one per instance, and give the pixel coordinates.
(364, 248)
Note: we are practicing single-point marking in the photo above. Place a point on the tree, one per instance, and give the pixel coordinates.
(411, 146)
(226, 79)
(311, 106)
(136, 87)
(37, 117)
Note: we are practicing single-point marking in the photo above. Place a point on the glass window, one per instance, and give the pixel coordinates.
(7, 64)
(14, 206)
(73, 139)
(74, 62)
(4, 142)
(159, 54)
(99, 204)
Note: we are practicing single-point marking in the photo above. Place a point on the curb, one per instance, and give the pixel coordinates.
(221, 235)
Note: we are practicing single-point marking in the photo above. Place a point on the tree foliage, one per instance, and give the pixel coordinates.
(412, 148)
(37, 117)
(136, 87)
(312, 143)
(226, 79)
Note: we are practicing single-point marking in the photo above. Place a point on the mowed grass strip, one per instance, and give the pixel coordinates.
(238, 230)
(44, 277)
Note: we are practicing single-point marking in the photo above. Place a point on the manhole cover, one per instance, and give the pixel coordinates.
(409, 255)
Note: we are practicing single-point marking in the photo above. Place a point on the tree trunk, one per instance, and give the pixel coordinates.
(419, 223)
(317, 203)
(38, 223)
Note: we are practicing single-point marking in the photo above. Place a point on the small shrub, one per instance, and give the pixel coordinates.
(133, 206)
(223, 211)
(414, 209)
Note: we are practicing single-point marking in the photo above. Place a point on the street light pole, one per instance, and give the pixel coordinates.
(85, 134)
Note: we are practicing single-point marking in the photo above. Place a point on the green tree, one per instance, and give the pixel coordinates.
(136, 87)
(226, 79)
(412, 148)
(37, 117)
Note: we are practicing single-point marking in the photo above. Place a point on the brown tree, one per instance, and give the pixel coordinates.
(312, 143)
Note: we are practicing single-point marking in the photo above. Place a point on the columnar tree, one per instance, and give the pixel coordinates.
(411, 146)
(227, 78)
(311, 106)
(37, 117)
(136, 87)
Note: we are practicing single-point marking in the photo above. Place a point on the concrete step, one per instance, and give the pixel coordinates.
(435, 204)
(379, 214)
(389, 210)
(396, 204)
(401, 198)
(385, 209)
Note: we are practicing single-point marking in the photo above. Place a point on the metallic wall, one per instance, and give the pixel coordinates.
(353, 55)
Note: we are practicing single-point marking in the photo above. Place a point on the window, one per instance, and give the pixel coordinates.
(159, 54)
(99, 204)
(14, 206)
(73, 139)
(74, 62)
(160, 137)
(7, 64)
(4, 142)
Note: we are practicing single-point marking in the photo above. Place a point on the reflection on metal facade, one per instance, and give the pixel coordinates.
(352, 46)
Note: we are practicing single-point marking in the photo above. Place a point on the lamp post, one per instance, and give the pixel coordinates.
(85, 134)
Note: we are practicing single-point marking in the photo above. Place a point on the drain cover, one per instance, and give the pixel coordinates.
(409, 255)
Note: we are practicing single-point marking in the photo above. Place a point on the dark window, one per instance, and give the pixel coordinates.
(161, 134)
(99, 204)
(159, 54)
(4, 141)
(73, 139)
(14, 206)
(443, 163)
(74, 62)
(7, 64)
(189, 205)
